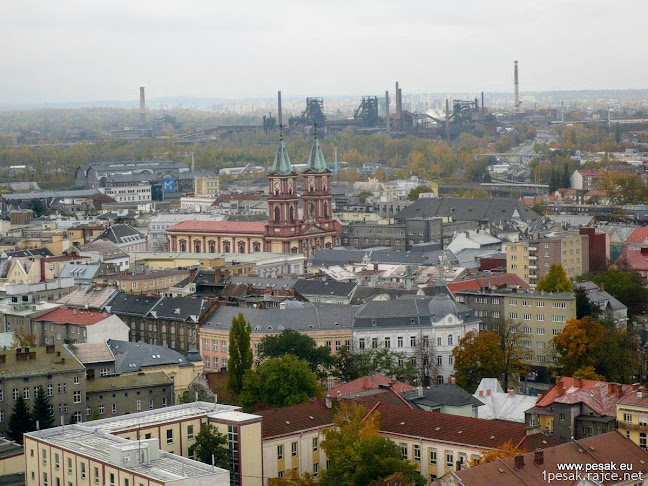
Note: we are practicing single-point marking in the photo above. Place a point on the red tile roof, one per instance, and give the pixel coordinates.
(591, 172)
(472, 431)
(289, 420)
(639, 235)
(600, 396)
(237, 227)
(633, 259)
(505, 280)
(63, 315)
(401, 421)
(599, 449)
(372, 382)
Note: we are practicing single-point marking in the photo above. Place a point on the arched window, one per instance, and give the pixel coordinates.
(276, 214)
(439, 379)
(197, 247)
(326, 210)
(257, 247)
(183, 245)
(226, 247)
(311, 209)
(212, 247)
(328, 245)
(292, 214)
(293, 249)
(241, 247)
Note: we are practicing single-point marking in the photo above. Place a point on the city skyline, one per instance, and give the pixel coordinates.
(73, 51)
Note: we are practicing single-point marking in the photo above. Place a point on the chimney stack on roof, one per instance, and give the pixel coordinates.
(578, 381)
(519, 462)
(511, 392)
(453, 380)
(560, 387)
(481, 393)
(489, 392)
(328, 401)
(538, 457)
(602, 286)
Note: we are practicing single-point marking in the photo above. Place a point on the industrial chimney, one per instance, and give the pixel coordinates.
(142, 105)
(516, 85)
(387, 111)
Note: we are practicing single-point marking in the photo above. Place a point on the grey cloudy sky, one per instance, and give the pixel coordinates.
(57, 51)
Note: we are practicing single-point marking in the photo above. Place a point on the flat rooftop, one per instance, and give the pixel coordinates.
(94, 444)
(149, 418)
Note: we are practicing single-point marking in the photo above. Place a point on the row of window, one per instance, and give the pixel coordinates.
(539, 318)
(213, 344)
(294, 449)
(82, 472)
(387, 342)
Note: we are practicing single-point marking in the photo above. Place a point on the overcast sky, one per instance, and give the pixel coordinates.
(58, 51)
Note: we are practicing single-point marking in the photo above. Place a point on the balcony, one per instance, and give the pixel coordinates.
(632, 426)
(533, 277)
(533, 248)
(533, 267)
(533, 257)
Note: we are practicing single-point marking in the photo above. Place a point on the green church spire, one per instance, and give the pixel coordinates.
(316, 161)
(281, 164)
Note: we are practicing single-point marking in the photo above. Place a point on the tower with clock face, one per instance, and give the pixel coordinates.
(283, 218)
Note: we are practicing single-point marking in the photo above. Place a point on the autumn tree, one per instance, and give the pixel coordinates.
(293, 478)
(281, 382)
(414, 193)
(512, 335)
(502, 451)
(577, 344)
(358, 454)
(477, 356)
(240, 353)
(555, 280)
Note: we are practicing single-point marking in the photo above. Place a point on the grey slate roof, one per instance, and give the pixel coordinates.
(598, 296)
(132, 305)
(120, 233)
(444, 394)
(106, 248)
(25, 196)
(468, 209)
(132, 357)
(82, 272)
(364, 293)
(342, 256)
(179, 309)
(91, 353)
(44, 252)
(308, 317)
(317, 286)
(399, 313)
(263, 283)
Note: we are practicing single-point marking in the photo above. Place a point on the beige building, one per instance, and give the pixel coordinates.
(155, 443)
(143, 283)
(632, 416)
(531, 260)
(543, 315)
(206, 185)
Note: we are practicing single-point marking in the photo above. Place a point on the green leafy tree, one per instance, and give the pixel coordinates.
(511, 335)
(38, 207)
(349, 366)
(300, 345)
(625, 286)
(477, 356)
(359, 454)
(414, 193)
(211, 445)
(42, 410)
(240, 353)
(280, 382)
(95, 414)
(566, 182)
(556, 280)
(20, 421)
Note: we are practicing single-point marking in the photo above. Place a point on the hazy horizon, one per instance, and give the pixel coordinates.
(72, 52)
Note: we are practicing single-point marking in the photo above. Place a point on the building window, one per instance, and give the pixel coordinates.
(399, 341)
(83, 470)
(526, 317)
(433, 457)
(76, 380)
(77, 396)
(96, 475)
(449, 459)
(413, 341)
(513, 315)
(315, 470)
(627, 417)
(293, 449)
(388, 342)
(374, 343)
(403, 447)
(190, 432)
(279, 452)
(642, 440)
(26, 393)
(417, 453)
(114, 408)
(439, 360)
(169, 436)
(361, 343)
(540, 303)
(561, 417)
(540, 331)
(559, 319)
(57, 461)
(450, 340)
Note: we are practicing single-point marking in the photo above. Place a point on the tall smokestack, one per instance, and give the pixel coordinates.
(482, 106)
(142, 105)
(397, 108)
(387, 111)
(279, 115)
(516, 85)
(447, 120)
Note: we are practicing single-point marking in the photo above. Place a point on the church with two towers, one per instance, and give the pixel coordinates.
(288, 230)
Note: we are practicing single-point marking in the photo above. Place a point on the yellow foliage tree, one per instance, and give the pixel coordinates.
(507, 449)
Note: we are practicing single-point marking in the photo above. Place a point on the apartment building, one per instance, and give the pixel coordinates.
(632, 416)
(62, 325)
(55, 369)
(328, 324)
(155, 435)
(531, 260)
(130, 193)
(143, 283)
(435, 442)
(206, 185)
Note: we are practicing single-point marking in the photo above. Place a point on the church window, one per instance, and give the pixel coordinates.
(242, 248)
(325, 210)
(276, 214)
